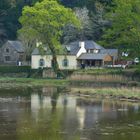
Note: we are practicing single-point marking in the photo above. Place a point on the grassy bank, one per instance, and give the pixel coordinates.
(122, 93)
(30, 82)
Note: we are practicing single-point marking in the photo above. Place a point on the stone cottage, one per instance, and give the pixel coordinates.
(11, 53)
(87, 53)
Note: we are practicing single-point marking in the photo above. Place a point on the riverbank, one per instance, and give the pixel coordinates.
(123, 93)
(30, 82)
(113, 91)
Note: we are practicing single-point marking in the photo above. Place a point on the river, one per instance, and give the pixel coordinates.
(54, 114)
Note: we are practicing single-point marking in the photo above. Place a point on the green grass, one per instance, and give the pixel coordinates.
(30, 82)
(9, 83)
(112, 92)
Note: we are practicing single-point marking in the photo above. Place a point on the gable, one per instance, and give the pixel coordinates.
(14, 45)
(108, 58)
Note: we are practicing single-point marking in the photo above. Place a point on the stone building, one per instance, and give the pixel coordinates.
(11, 53)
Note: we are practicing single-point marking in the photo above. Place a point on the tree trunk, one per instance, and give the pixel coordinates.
(55, 65)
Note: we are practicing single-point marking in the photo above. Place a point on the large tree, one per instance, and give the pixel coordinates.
(125, 26)
(45, 20)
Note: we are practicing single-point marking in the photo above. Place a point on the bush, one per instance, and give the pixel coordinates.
(15, 69)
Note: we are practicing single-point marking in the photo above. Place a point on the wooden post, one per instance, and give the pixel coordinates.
(103, 63)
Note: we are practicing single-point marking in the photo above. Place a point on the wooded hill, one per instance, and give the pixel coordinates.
(112, 23)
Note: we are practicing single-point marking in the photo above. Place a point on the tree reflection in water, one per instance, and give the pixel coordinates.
(51, 114)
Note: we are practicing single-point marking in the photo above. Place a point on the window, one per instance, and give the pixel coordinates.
(91, 51)
(96, 51)
(7, 58)
(7, 50)
(88, 51)
(21, 57)
(65, 62)
(41, 62)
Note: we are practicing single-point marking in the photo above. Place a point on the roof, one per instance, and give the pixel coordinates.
(90, 56)
(73, 49)
(110, 51)
(17, 45)
(35, 51)
(38, 51)
(92, 45)
(89, 44)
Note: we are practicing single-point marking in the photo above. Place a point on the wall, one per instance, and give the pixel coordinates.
(71, 58)
(14, 56)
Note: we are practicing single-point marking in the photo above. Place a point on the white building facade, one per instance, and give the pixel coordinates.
(78, 53)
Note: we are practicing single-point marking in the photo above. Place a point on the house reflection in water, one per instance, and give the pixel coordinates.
(35, 116)
(88, 113)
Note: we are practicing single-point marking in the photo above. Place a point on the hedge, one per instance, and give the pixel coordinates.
(15, 69)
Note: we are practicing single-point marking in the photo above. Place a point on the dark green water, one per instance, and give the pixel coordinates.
(52, 114)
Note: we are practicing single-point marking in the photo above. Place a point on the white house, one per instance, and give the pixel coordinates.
(87, 53)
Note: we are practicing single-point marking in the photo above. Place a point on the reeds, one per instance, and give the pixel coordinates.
(100, 78)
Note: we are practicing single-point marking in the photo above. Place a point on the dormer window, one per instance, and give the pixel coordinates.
(88, 51)
(93, 51)
(68, 49)
(96, 51)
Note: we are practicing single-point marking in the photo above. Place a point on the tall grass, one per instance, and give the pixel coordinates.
(100, 78)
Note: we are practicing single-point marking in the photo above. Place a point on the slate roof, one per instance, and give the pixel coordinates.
(74, 46)
(90, 56)
(17, 45)
(73, 49)
(35, 51)
(109, 51)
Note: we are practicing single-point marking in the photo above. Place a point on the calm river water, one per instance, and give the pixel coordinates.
(52, 114)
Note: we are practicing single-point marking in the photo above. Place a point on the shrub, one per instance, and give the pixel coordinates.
(15, 69)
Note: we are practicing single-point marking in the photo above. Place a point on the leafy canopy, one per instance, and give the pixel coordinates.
(125, 26)
(45, 20)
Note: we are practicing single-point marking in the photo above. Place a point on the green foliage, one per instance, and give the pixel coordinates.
(45, 21)
(14, 69)
(10, 11)
(125, 28)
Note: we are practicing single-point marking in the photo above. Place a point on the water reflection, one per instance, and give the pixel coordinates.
(51, 114)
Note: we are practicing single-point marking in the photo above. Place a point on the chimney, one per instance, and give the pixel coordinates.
(82, 44)
(82, 48)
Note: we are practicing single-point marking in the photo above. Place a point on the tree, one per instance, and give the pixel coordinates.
(29, 43)
(4, 8)
(71, 33)
(99, 23)
(45, 20)
(125, 26)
